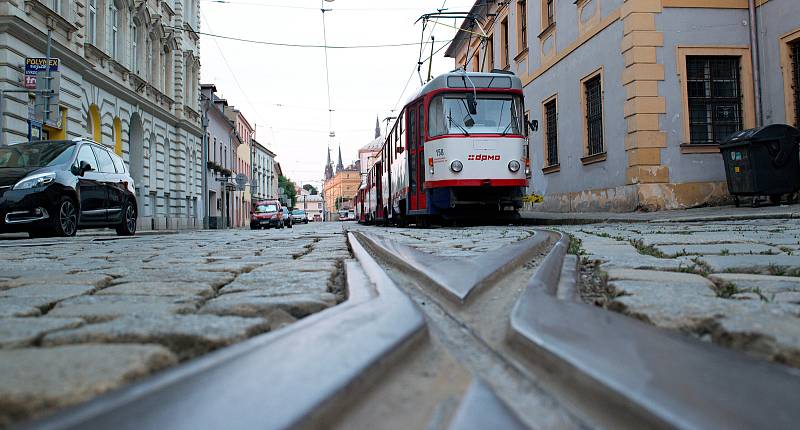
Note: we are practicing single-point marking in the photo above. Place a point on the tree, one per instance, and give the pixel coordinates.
(310, 188)
(289, 188)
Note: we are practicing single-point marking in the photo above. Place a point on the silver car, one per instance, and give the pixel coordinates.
(299, 216)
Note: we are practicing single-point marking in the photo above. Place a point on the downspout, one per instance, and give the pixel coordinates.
(751, 4)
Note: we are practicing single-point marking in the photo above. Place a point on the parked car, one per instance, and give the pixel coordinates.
(55, 187)
(299, 216)
(287, 217)
(266, 214)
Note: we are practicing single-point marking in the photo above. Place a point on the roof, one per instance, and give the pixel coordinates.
(375, 145)
(440, 81)
(258, 145)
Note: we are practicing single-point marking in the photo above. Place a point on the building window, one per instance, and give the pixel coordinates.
(56, 6)
(134, 42)
(551, 13)
(795, 54)
(504, 42)
(92, 25)
(551, 132)
(489, 54)
(594, 115)
(113, 29)
(715, 98)
(522, 25)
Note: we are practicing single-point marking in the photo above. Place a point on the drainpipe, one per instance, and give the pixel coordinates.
(754, 58)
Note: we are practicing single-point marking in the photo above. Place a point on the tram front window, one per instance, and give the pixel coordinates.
(495, 114)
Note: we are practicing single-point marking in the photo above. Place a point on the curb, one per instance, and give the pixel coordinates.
(643, 376)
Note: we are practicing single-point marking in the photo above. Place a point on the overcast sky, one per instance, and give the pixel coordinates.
(364, 83)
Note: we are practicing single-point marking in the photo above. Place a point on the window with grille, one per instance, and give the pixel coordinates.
(551, 132)
(795, 53)
(594, 115)
(715, 98)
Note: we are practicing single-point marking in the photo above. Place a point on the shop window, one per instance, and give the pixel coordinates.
(714, 97)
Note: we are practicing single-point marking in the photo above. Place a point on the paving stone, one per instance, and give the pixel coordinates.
(717, 249)
(159, 289)
(770, 335)
(186, 335)
(763, 264)
(34, 381)
(250, 305)
(17, 310)
(52, 293)
(767, 284)
(177, 274)
(22, 332)
(791, 298)
(106, 307)
(91, 279)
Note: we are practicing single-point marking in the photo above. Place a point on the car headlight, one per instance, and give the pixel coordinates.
(456, 166)
(513, 165)
(35, 181)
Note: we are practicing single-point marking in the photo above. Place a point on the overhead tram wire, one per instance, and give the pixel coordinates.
(233, 75)
(280, 6)
(327, 74)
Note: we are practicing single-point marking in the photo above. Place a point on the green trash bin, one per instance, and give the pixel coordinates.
(762, 161)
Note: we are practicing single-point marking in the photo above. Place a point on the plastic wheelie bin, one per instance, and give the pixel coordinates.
(762, 162)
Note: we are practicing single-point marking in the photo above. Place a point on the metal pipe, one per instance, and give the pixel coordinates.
(754, 57)
(47, 82)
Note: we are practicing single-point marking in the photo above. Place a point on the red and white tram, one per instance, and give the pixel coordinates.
(458, 149)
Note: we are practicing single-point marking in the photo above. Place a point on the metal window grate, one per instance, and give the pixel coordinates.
(594, 115)
(715, 98)
(551, 132)
(795, 53)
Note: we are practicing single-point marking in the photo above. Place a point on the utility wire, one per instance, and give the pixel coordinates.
(327, 71)
(302, 45)
(233, 75)
(280, 6)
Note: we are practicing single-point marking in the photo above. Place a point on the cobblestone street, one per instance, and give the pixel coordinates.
(734, 283)
(85, 315)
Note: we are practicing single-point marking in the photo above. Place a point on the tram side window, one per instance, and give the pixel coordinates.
(401, 119)
(412, 156)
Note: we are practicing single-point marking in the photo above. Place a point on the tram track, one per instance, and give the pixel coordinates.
(424, 341)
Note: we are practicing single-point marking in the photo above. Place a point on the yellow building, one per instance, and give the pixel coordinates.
(340, 190)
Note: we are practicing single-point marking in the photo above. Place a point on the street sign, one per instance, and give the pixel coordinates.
(33, 65)
(241, 181)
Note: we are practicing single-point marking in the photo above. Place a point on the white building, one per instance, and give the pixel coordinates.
(264, 178)
(312, 204)
(129, 78)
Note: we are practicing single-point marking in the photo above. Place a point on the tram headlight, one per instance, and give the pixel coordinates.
(456, 166)
(513, 165)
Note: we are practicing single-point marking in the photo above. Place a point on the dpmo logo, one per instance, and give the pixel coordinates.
(483, 157)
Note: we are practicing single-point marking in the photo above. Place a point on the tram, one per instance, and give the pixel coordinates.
(458, 149)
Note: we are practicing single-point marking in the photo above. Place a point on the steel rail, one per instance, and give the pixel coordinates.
(273, 381)
(649, 377)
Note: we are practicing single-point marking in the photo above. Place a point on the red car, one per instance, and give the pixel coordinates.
(266, 214)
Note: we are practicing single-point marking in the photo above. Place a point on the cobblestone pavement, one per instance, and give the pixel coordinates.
(735, 283)
(84, 315)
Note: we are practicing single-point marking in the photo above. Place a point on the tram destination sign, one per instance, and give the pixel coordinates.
(34, 65)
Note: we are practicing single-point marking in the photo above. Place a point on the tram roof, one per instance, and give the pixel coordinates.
(499, 80)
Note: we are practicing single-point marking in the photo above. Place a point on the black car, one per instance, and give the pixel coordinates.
(55, 187)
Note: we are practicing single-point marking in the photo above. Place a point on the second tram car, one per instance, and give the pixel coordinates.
(458, 149)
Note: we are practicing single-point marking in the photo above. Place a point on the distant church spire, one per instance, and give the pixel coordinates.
(339, 165)
(377, 127)
(329, 166)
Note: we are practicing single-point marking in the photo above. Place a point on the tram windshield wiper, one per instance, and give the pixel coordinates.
(450, 119)
(514, 119)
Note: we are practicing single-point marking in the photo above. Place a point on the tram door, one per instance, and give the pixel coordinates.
(416, 158)
(378, 190)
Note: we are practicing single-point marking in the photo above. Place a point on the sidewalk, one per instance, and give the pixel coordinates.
(716, 213)
(726, 275)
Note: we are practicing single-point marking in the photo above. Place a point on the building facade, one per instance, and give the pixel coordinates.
(311, 204)
(633, 97)
(264, 176)
(222, 147)
(128, 77)
(243, 133)
(339, 191)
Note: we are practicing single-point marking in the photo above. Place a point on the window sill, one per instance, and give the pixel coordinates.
(547, 30)
(591, 159)
(521, 55)
(551, 169)
(699, 148)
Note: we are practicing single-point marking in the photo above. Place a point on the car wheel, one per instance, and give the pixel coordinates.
(65, 220)
(127, 227)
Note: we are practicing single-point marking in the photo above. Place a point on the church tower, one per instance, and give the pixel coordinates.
(329, 167)
(339, 165)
